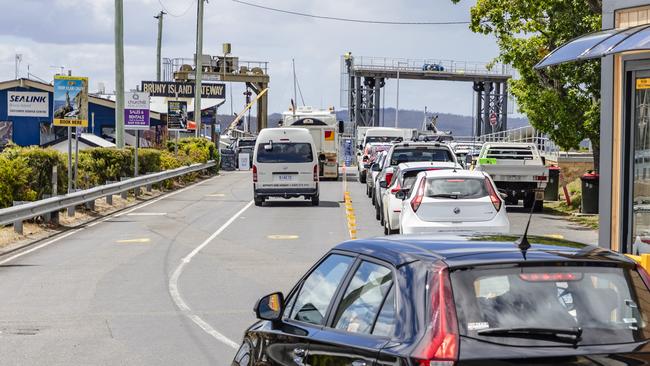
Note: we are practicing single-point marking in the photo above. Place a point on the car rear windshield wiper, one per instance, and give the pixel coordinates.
(445, 195)
(567, 335)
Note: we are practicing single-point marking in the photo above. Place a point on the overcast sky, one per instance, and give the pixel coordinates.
(78, 34)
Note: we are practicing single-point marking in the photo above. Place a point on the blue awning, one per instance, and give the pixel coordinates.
(599, 44)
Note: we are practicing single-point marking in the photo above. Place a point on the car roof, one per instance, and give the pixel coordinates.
(464, 249)
(455, 173)
(419, 144)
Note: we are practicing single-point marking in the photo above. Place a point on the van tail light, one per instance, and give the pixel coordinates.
(254, 174)
(541, 178)
(396, 189)
(439, 346)
(315, 173)
(419, 195)
(389, 178)
(494, 196)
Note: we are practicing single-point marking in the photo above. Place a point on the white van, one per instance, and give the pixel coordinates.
(285, 165)
(380, 135)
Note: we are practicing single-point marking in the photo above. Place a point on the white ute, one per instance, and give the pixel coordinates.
(285, 165)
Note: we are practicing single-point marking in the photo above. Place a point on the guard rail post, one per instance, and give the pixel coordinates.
(18, 224)
(109, 197)
(124, 194)
(149, 188)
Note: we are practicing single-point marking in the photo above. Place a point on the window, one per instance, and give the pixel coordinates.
(363, 298)
(468, 188)
(318, 289)
(385, 324)
(610, 305)
(285, 152)
(412, 154)
(514, 153)
(626, 18)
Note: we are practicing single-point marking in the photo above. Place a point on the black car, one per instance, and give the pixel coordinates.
(461, 300)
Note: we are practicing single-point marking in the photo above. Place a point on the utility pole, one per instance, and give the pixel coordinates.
(159, 45)
(199, 67)
(397, 103)
(119, 73)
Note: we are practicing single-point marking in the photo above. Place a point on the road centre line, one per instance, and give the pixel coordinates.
(145, 204)
(176, 295)
(147, 214)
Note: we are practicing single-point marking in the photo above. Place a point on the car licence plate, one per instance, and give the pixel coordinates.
(285, 178)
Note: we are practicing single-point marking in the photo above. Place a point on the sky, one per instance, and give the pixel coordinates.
(78, 35)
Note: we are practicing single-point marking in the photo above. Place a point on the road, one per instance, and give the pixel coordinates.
(173, 281)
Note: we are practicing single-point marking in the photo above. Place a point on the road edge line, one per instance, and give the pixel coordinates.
(175, 294)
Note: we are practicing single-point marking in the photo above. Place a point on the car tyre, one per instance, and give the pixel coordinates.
(362, 177)
(538, 206)
(377, 213)
(259, 201)
(315, 200)
(382, 219)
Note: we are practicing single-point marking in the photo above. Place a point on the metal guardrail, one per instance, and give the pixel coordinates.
(38, 208)
(450, 66)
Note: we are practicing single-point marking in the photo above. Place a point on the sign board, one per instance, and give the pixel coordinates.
(70, 101)
(493, 119)
(643, 83)
(244, 161)
(28, 104)
(176, 115)
(136, 111)
(171, 89)
(487, 161)
(347, 150)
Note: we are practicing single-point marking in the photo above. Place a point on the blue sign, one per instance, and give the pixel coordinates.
(347, 151)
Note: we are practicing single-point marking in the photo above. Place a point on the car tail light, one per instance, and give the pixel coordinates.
(315, 173)
(541, 177)
(644, 274)
(494, 197)
(396, 189)
(439, 346)
(419, 195)
(550, 277)
(389, 178)
(254, 174)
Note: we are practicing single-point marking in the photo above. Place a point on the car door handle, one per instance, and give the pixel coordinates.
(359, 363)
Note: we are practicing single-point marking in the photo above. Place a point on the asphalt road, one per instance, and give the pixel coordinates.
(173, 281)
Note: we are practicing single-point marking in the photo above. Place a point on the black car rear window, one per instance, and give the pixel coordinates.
(285, 152)
(610, 305)
(415, 154)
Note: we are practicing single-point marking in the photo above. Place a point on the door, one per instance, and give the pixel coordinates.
(357, 330)
(286, 343)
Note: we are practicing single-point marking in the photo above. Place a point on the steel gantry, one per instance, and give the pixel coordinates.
(364, 77)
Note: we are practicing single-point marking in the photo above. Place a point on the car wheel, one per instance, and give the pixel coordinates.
(382, 219)
(315, 200)
(362, 177)
(529, 200)
(377, 213)
(539, 206)
(259, 201)
(386, 230)
(367, 190)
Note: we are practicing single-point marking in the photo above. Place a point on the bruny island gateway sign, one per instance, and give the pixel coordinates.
(183, 90)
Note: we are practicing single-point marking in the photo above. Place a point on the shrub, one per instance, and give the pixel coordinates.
(14, 176)
(41, 163)
(110, 163)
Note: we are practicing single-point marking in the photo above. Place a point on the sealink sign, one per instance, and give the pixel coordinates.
(28, 104)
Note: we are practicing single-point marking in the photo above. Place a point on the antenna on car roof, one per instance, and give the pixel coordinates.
(522, 242)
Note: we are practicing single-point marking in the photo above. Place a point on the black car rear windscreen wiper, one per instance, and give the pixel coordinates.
(567, 335)
(445, 195)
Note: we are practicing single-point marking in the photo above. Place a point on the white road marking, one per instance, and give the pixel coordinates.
(176, 295)
(147, 214)
(131, 241)
(49, 242)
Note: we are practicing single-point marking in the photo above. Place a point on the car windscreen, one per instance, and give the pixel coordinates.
(607, 305)
(465, 188)
(371, 139)
(423, 153)
(516, 153)
(246, 143)
(285, 152)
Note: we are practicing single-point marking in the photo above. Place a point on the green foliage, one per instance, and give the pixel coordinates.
(14, 176)
(562, 101)
(109, 164)
(41, 163)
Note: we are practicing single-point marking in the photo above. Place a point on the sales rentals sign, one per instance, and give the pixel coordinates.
(136, 111)
(28, 104)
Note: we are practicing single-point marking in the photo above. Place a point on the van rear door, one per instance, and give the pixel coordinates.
(283, 165)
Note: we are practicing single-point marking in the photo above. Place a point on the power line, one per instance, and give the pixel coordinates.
(351, 20)
(177, 15)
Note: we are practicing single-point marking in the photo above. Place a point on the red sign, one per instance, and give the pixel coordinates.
(493, 119)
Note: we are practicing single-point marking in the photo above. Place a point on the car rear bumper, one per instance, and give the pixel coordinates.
(412, 224)
(286, 192)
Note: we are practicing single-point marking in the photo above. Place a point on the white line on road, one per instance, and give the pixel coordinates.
(176, 295)
(147, 214)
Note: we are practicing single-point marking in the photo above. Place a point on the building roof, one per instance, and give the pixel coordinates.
(29, 83)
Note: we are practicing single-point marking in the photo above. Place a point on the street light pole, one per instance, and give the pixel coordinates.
(199, 67)
(119, 73)
(159, 44)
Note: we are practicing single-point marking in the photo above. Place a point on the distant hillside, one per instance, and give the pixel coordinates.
(457, 124)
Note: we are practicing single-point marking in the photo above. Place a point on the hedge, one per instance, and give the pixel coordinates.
(26, 172)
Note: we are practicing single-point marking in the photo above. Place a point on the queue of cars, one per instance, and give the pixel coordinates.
(469, 295)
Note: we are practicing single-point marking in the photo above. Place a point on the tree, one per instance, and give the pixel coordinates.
(562, 101)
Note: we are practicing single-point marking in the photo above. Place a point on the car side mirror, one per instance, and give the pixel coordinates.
(341, 126)
(503, 194)
(401, 194)
(383, 184)
(270, 307)
(375, 167)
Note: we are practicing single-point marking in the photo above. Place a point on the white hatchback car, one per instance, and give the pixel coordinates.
(405, 176)
(453, 201)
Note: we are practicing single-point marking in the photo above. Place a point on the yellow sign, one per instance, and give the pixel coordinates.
(643, 83)
(70, 101)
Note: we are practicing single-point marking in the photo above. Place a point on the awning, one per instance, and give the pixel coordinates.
(599, 44)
